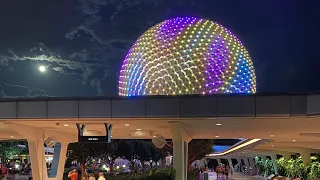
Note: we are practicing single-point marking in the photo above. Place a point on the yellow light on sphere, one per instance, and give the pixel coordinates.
(175, 57)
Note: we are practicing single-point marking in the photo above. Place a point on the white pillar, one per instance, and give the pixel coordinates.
(246, 162)
(306, 157)
(230, 163)
(286, 156)
(240, 165)
(35, 138)
(253, 165)
(180, 140)
(252, 162)
(205, 161)
(59, 159)
(37, 157)
(219, 161)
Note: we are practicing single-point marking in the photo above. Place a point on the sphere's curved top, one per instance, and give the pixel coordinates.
(186, 56)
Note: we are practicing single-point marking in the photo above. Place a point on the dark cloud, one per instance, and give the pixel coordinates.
(14, 91)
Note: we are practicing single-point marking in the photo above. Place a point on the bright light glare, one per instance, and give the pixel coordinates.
(42, 68)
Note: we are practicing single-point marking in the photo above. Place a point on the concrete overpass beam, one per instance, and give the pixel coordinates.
(35, 138)
(180, 140)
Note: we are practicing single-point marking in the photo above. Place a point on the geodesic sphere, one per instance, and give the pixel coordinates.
(187, 55)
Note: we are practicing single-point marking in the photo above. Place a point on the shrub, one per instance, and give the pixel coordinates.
(314, 169)
(265, 167)
(282, 166)
(160, 174)
(193, 174)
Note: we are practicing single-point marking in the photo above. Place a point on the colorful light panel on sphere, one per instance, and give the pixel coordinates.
(186, 55)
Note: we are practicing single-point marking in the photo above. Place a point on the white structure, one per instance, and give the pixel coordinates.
(178, 118)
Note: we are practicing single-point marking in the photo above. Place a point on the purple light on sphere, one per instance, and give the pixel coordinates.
(187, 55)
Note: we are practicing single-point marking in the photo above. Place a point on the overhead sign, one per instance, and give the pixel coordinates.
(94, 139)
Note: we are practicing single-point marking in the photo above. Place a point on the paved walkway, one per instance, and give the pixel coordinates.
(239, 176)
(18, 177)
(235, 176)
(212, 176)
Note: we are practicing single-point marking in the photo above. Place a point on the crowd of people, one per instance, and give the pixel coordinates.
(14, 169)
(223, 171)
(73, 175)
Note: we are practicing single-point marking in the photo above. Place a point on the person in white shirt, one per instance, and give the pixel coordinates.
(91, 176)
(101, 176)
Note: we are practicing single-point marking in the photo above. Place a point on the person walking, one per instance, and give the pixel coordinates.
(4, 172)
(227, 171)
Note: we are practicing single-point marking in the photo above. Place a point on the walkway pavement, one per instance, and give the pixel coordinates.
(240, 176)
(212, 176)
(235, 176)
(18, 177)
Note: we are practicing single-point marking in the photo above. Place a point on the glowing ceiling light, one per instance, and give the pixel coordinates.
(236, 148)
(186, 55)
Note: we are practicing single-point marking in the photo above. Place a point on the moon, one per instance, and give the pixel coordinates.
(42, 68)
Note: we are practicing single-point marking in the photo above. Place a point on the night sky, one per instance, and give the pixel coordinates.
(83, 42)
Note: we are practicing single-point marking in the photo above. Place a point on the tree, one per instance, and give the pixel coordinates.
(111, 151)
(107, 152)
(198, 149)
(157, 154)
(83, 153)
(133, 150)
(9, 149)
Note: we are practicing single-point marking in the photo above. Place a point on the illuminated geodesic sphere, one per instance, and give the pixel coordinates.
(187, 55)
